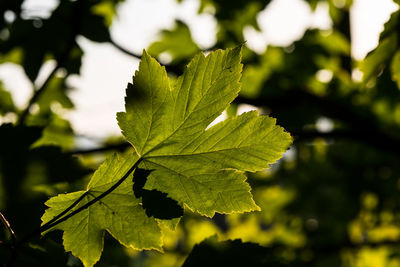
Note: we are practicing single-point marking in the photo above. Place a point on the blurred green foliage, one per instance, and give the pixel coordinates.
(176, 43)
(333, 200)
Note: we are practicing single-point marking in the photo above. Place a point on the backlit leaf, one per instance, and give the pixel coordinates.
(180, 160)
(197, 167)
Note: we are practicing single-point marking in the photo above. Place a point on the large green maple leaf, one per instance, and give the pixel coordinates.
(166, 122)
(181, 160)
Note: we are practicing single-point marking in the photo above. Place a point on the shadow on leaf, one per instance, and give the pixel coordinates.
(155, 203)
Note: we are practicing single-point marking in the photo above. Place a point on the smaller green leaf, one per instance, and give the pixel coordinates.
(120, 213)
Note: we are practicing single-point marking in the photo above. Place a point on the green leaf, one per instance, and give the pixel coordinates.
(57, 132)
(120, 213)
(166, 122)
(177, 42)
(375, 60)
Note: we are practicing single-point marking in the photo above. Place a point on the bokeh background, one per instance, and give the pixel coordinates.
(328, 70)
(136, 24)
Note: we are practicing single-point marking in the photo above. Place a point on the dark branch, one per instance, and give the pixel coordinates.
(388, 144)
(172, 68)
(312, 134)
(124, 50)
(119, 147)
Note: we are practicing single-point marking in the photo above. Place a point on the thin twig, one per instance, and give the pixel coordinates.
(176, 69)
(120, 146)
(36, 94)
(124, 50)
(8, 226)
